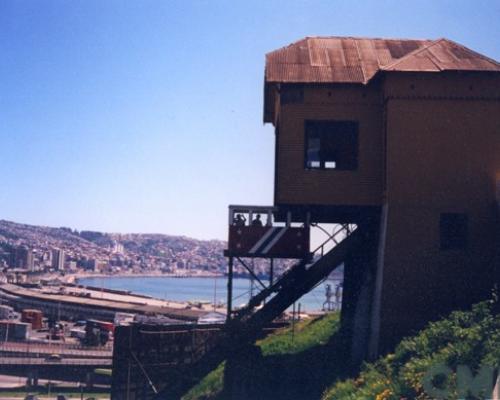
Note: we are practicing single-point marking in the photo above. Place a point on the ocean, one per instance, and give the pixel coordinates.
(205, 289)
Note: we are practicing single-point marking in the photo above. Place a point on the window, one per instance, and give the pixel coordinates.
(331, 145)
(453, 231)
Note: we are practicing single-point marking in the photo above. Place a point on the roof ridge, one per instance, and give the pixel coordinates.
(306, 39)
(411, 54)
(365, 38)
(426, 47)
(473, 51)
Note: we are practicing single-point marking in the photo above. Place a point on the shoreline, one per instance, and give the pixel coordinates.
(74, 278)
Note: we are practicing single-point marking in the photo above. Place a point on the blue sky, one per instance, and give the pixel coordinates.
(146, 116)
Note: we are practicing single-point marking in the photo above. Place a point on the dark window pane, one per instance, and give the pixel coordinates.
(332, 145)
(313, 149)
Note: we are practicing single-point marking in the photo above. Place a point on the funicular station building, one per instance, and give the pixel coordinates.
(398, 142)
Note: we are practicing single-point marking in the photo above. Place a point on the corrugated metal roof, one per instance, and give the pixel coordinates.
(357, 60)
(443, 55)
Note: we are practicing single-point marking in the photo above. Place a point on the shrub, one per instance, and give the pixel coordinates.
(465, 338)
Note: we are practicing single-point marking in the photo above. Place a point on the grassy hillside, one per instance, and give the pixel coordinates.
(310, 364)
(307, 335)
(470, 339)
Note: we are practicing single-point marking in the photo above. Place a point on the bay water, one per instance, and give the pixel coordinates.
(202, 289)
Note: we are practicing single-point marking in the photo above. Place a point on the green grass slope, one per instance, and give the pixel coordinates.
(470, 339)
(310, 363)
(307, 335)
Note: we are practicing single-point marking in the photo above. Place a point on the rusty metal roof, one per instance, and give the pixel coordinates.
(443, 55)
(358, 60)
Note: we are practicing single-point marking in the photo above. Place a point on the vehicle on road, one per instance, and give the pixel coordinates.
(53, 357)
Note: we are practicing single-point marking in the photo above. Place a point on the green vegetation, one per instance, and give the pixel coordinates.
(309, 363)
(465, 338)
(305, 335)
(210, 386)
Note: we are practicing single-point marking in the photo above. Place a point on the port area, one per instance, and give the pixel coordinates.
(59, 338)
(74, 301)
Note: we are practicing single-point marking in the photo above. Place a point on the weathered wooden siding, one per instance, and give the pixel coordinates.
(297, 185)
(443, 156)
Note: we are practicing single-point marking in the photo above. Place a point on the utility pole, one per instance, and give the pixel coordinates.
(229, 289)
(215, 292)
(129, 366)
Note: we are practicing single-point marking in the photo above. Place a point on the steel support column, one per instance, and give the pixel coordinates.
(229, 289)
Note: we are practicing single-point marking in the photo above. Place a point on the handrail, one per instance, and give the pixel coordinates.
(266, 210)
(343, 228)
(246, 208)
(251, 210)
(267, 291)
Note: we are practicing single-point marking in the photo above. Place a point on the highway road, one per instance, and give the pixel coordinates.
(65, 369)
(97, 362)
(46, 349)
(7, 381)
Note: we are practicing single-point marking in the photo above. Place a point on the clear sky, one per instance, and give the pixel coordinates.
(146, 116)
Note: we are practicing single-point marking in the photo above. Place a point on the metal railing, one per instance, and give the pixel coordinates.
(346, 229)
(268, 211)
(237, 212)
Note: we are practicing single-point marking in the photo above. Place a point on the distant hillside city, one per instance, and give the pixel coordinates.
(36, 250)
(45, 249)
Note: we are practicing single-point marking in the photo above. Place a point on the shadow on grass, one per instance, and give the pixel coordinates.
(303, 375)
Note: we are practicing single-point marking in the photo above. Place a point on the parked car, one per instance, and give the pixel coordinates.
(53, 357)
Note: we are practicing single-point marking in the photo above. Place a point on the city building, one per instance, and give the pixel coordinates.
(14, 331)
(71, 265)
(33, 317)
(6, 312)
(21, 257)
(99, 265)
(58, 259)
(118, 247)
